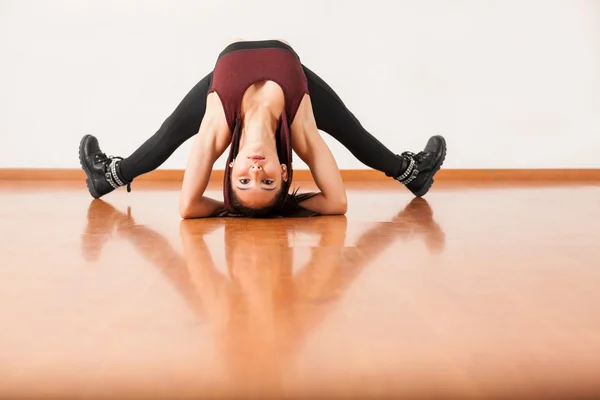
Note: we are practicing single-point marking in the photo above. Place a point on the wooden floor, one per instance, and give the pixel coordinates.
(482, 291)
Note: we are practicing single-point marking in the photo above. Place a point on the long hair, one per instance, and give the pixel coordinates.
(284, 204)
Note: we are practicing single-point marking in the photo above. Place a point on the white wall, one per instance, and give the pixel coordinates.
(511, 84)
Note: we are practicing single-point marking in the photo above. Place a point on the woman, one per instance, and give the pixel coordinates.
(258, 97)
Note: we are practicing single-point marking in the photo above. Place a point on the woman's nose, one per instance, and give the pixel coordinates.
(255, 168)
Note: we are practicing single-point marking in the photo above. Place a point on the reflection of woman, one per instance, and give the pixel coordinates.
(258, 97)
(263, 310)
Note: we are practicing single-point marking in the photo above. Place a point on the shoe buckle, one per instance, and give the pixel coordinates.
(110, 180)
(412, 176)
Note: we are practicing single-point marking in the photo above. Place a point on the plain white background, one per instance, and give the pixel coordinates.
(511, 84)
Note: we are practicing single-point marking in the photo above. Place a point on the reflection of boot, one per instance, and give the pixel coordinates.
(417, 218)
(102, 219)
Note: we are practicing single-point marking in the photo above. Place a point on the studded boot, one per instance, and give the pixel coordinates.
(103, 172)
(421, 167)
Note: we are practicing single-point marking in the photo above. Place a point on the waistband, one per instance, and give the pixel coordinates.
(257, 45)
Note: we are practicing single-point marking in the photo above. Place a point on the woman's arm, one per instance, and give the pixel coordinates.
(210, 142)
(312, 149)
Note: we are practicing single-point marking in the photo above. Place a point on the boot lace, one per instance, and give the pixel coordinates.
(418, 157)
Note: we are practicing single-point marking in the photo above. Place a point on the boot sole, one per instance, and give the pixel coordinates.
(436, 168)
(88, 182)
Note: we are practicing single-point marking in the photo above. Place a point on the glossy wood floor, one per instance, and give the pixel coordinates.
(475, 292)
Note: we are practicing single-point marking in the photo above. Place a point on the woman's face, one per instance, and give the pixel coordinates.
(257, 177)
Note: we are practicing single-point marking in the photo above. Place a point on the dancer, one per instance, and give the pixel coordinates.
(262, 102)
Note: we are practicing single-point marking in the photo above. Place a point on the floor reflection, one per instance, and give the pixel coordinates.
(262, 309)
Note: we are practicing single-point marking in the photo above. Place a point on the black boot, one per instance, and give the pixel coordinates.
(421, 167)
(103, 172)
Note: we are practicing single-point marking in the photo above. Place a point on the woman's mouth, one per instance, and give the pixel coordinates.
(255, 157)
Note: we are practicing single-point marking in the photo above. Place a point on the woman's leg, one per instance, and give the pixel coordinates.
(104, 174)
(333, 117)
(415, 171)
(181, 125)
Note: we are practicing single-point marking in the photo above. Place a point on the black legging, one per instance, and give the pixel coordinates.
(330, 113)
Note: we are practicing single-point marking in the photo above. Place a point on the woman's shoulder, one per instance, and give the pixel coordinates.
(215, 112)
(214, 123)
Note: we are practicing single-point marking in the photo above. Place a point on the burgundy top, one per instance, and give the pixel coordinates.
(237, 70)
(240, 66)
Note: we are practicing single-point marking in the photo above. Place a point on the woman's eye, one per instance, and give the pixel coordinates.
(244, 181)
(267, 182)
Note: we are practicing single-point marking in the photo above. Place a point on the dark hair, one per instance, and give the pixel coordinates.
(284, 204)
(261, 212)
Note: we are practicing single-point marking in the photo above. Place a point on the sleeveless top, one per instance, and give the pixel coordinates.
(241, 65)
